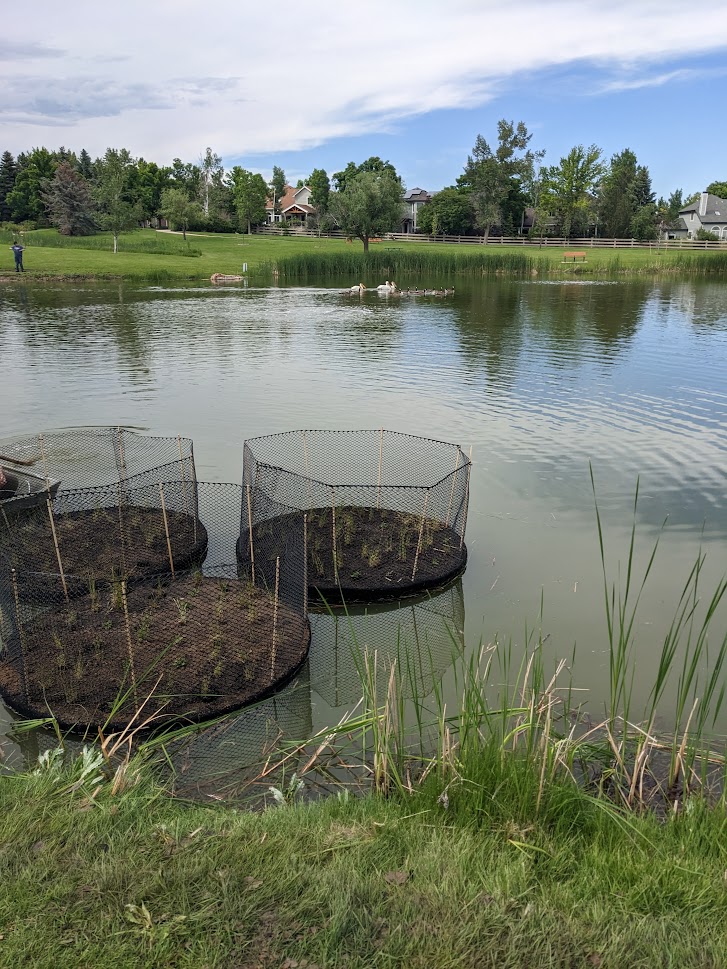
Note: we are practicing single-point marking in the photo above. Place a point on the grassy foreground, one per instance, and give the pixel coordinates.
(147, 255)
(97, 871)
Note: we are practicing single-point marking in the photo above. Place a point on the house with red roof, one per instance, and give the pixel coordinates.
(294, 206)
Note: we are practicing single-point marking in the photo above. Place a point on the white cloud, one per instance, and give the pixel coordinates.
(247, 78)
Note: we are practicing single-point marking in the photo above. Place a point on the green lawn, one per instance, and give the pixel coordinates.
(83, 258)
(93, 879)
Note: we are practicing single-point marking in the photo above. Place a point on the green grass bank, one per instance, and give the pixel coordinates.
(97, 871)
(147, 255)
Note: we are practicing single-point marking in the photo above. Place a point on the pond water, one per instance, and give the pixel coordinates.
(540, 378)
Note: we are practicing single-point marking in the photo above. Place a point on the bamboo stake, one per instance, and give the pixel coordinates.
(335, 551)
(378, 483)
(195, 510)
(166, 527)
(305, 564)
(275, 618)
(466, 500)
(58, 550)
(421, 533)
(20, 635)
(128, 640)
(454, 482)
(249, 529)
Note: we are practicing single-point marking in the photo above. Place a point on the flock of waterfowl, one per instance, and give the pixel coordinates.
(390, 288)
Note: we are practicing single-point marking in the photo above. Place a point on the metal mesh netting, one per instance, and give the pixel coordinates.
(422, 637)
(85, 457)
(111, 594)
(386, 512)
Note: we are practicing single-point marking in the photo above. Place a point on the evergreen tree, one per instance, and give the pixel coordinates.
(68, 201)
(320, 190)
(85, 165)
(277, 186)
(625, 188)
(8, 174)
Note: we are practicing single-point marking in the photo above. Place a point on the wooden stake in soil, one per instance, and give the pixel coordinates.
(195, 510)
(275, 619)
(128, 642)
(20, 635)
(166, 527)
(378, 483)
(249, 531)
(305, 564)
(58, 550)
(466, 500)
(421, 533)
(335, 550)
(454, 482)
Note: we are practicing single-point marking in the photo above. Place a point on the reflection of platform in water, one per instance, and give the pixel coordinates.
(221, 762)
(225, 761)
(421, 636)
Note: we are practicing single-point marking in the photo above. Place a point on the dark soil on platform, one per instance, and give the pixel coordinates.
(374, 555)
(208, 641)
(128, 541)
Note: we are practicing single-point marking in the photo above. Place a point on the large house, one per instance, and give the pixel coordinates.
(707, 212)
(413, 201)
(294, 206)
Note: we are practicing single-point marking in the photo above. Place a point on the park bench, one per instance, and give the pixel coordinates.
(575, 256)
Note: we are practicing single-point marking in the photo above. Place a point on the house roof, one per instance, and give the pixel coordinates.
(298, 207)
(417, 195)
(716, 209)
(289, 199)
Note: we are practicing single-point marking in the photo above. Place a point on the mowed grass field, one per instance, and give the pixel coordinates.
(156, 256)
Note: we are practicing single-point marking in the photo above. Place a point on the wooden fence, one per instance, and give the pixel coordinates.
(524, 240)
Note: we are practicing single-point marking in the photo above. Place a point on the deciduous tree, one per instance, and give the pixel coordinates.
(449, 212)
(566, 188)
(118, 209)
(369, 205)
(210, 164)
(179, 209)
(717, 188)
(490, 176)
(320, 190)
(250, 195)
(25, 201)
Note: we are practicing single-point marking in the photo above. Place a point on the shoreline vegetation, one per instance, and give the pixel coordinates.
(148, 255)
(513, 831)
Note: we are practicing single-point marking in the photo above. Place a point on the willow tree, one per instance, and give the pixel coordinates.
(370, 204)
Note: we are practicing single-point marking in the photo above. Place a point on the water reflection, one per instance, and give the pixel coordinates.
(540, 377)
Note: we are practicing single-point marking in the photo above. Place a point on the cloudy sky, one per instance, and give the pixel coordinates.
(323, 83)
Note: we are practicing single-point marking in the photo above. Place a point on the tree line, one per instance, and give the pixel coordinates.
(582, 194)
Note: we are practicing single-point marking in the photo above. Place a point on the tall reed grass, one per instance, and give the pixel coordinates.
(410, 260)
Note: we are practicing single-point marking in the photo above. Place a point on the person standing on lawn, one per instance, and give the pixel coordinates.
(18, 253)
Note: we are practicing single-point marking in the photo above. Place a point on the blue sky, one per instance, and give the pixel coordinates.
(318, 85)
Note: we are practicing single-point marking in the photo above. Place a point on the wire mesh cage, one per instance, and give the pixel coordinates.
(162, 623)
(84, 457)
(385, 512)
(421, 637)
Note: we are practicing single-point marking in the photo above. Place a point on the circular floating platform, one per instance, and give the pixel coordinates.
(193, 647)
(384, 512)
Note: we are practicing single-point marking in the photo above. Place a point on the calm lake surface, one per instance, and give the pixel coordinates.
(540, 378)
